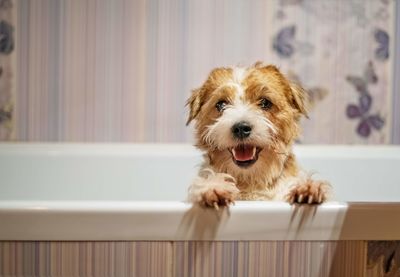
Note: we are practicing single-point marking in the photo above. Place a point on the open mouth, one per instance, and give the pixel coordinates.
(245, 155)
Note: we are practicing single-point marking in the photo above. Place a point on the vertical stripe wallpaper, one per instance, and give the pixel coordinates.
(99, 70)
(185, 258)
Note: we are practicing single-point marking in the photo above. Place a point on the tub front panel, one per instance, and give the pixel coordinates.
(96, 172)
(184, 258)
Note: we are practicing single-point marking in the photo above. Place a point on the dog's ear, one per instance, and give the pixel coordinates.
(199, 96)
(194, 103)
(299, 98)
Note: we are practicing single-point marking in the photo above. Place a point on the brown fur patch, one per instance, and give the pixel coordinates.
(200, 96)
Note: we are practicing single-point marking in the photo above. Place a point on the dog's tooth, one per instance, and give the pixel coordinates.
(310, 199)
(300, 199)
(234, 152)
(254, 151)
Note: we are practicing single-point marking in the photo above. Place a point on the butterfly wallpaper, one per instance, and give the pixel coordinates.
(361, 110)
(341, 55)
(124, 69)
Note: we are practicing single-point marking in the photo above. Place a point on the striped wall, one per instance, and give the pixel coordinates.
(202, 259)
(99, 70)
(396, 81)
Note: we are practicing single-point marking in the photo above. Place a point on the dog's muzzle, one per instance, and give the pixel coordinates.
(243, 154)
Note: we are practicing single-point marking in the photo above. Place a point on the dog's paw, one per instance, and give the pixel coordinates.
(215, 191)
(309, 191)
(218, 197)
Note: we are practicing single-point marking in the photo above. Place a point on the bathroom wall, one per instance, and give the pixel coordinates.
(98, 70)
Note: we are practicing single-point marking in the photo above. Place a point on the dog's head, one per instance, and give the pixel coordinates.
(242, 114)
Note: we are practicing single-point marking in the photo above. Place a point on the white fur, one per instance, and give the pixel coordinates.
(239, 74)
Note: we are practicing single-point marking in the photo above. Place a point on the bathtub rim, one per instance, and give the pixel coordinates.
(141, 221)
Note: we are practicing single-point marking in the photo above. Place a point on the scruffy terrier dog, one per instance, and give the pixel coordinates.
(246, 122)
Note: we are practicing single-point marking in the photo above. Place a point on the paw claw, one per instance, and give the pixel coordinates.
(309, 191)
(216, 207)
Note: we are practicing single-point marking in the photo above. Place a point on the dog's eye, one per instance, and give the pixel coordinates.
(221, 105)
(265, 104)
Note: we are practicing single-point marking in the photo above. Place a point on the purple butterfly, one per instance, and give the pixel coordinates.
(283, 41)
(366, 121)
(382, 38)
(361, 110)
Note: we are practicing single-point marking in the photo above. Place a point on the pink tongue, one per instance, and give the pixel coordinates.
(243, 153)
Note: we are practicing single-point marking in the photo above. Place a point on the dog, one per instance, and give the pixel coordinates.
(246, 121)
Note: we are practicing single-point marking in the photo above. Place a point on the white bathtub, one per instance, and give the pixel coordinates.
(117, 192)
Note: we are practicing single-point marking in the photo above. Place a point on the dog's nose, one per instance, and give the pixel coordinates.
(241, 130)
